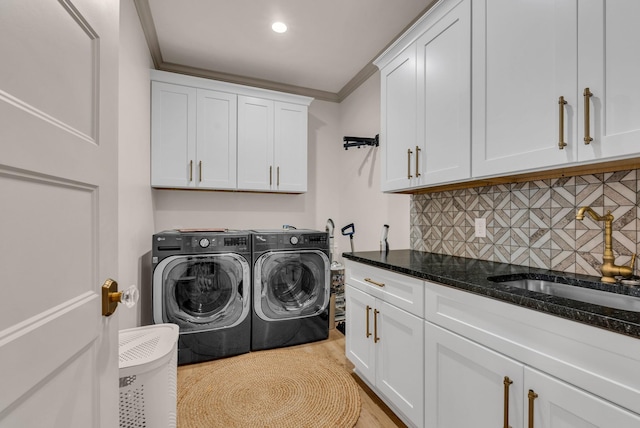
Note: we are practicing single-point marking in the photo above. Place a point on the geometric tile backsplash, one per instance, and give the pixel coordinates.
(533, 223)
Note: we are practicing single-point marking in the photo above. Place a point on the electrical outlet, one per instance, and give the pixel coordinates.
(481, 227)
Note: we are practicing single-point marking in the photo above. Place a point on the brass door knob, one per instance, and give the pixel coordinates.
(111, 296)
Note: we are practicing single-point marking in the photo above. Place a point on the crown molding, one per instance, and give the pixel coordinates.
(149, 29)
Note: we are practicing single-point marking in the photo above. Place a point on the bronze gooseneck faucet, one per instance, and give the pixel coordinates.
(609, 268)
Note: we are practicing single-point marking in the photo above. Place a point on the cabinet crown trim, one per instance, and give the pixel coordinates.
(232, 88)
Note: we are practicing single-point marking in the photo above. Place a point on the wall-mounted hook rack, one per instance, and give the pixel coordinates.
(361, 141)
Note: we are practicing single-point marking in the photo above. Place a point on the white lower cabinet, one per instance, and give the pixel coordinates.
(467, 384)
(464, 383)
(557, 404)
(522, 369)
(385, 344)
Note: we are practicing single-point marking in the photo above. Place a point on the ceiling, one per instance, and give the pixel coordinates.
(326, 52)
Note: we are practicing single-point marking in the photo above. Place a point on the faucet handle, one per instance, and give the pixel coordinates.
(633, 261)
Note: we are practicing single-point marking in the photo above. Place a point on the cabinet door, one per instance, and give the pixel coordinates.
(398, 125)
(216, 140)
(173, 135)
(290, 151)
(609, 67)
(399, 359)
(524, 59)
(359, 332)
(255, 144)
(464, 383)
(444, 101)
(560, 405)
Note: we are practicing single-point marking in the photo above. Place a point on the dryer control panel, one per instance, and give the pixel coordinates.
(289, 239)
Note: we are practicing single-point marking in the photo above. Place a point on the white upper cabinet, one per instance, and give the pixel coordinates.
(398, 127)
(524, 59)
(290, 147)
(609, 65)
(255, 143)
(272, 145)
(215, 135)
(173, 135)
(526, 55)
(444, 98)
(216, 140)
(425, 101)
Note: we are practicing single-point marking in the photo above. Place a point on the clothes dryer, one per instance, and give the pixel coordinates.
(202, 283)
(291, 286)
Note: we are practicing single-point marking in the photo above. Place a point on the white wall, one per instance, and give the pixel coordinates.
(361, 201)
(342, 185)
(135, 211)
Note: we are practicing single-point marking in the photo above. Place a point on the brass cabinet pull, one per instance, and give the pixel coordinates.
(278, 176)
(376, 339)
(417, 161)
(368, 334)
(561, 143)
(507, 382)
(271, 175)
(409, 152)
(200, 170)
(190, 171)
(379, 284)
(587, 137)
(532, 396)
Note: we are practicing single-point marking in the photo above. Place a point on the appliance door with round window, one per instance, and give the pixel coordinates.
(291, 284)
(206, 292)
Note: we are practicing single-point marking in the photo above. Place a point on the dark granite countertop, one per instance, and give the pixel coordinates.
(471, 275)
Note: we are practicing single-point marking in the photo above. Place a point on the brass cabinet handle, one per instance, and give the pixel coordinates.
(587, 137)
(190, 171)
(200, 170)
(278, 176)
(532, 396)
(507, 382)
(376, 339)
(368, 334)
(409, 152)
(417, 161)
(379, 284)
(561, 143)
(271, 175)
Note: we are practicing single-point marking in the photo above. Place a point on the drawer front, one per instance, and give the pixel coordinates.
(402, 291)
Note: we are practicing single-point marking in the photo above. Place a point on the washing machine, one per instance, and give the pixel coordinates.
(291, 286)
(202, 282)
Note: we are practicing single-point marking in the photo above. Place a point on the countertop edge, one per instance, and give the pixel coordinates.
(470, 275)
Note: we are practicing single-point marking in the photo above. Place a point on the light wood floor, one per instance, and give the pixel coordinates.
(374, 412)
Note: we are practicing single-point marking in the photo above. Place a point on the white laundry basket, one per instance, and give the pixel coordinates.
(148, 376)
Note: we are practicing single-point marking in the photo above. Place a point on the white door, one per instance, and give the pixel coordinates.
(444, 100)
(255, 144)
(359, 332)
(609, 66)
(398, 127)
(58, 196)
(173, 135)
(399, 362)
(524, 59)
(464, 383)
(557, 404)
(290, 151)
(216, 140)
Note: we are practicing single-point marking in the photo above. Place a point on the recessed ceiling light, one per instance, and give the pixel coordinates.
(279, 27)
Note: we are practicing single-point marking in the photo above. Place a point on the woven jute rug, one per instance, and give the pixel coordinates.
(276, 388)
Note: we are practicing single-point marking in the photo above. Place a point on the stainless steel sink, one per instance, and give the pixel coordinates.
(573, 292)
